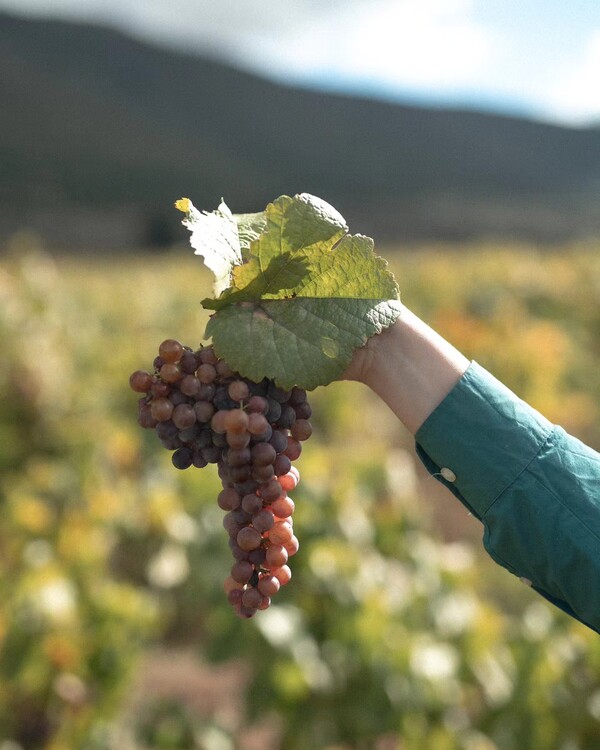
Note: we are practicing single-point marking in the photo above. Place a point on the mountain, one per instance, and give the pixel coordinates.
(100, 133)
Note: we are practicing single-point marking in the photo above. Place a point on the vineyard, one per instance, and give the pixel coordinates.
(396, 632)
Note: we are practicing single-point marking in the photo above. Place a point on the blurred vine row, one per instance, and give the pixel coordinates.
(396, 633)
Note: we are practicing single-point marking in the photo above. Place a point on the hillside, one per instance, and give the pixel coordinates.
(99, 133)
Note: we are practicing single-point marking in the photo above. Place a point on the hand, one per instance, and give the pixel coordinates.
(410, 367)
(365, 358)
(360, 363)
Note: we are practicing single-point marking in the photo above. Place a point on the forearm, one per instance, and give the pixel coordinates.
(411, 368)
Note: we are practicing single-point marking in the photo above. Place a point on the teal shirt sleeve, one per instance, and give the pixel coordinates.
(535, 488)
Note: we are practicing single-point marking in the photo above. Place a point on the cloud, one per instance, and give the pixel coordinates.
(411, 43)
(576, 95)
(230, 27)
(388, 43)
(408, 43)
(204, 21)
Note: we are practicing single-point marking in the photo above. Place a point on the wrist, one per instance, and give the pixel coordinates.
(411, 368)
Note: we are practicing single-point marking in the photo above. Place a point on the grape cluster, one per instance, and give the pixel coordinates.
(208, 414)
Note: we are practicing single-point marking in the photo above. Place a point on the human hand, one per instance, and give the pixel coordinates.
(361, 361)
(409, 366)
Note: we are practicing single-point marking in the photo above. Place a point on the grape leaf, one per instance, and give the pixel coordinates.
(314, 271)
(250, 227)
(307, 295)
(215, 236)
(293, 226)
(277, 258)
(300, 341)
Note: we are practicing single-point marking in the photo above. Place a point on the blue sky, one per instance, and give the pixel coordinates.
(536, 57)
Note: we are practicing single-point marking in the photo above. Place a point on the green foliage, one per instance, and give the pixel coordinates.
(306, 296)
(68, 629)
(306, 342)
(215, 237)
(396, 631)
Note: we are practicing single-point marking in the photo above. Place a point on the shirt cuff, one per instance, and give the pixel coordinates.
(480, 438)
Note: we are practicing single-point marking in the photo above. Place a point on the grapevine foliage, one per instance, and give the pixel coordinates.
(295, 294)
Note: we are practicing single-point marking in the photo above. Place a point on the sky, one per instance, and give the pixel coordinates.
(538, 58)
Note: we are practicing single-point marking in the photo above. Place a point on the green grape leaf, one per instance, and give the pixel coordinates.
(250, 227)
(215, 236)
(306, 295)
(300, 341)
(315, 271)
(277, 259)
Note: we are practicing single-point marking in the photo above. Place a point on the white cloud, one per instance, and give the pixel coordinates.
(205, 21)
(576, 95)
(407, 43)
(228, 27)
(411, 43)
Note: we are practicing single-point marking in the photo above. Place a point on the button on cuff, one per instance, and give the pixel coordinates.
(448, 474)
(485, 434)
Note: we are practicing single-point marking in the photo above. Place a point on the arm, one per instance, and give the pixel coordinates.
(535, 489)
(410, 367)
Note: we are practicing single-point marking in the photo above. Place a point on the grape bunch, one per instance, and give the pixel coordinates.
(208, 414)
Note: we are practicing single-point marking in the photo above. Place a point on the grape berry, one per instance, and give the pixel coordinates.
(207, 414)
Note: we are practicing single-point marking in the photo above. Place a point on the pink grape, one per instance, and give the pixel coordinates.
(161, 409)
(229, 499)
(283, 507)
(252, 598)
(293, 450)
(170, 350)
(238, 390)
(140, 381)
(281, 533)
(206, 373)
(248, 538)
(288, 482)
(301, 429)
(257, 423)
(236, 421)
(241, 571)
(268, 585)
(270, 490)
(283, 574)
(252, 503)
(292, 546)
(263, 520)
(277, 555)
(170, 373)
